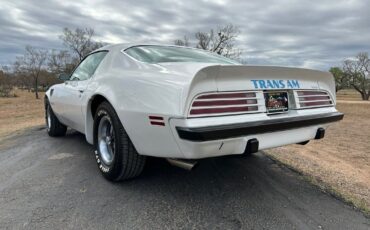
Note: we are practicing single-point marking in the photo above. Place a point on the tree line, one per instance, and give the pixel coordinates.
(38, 68)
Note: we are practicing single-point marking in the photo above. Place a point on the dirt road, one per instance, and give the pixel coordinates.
(54, 183)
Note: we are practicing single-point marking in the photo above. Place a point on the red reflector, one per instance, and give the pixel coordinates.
(224, 102)
(155, 118)
(157, 123)
(226, 95)
(223, 110)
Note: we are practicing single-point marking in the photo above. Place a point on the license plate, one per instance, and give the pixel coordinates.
(276, 102)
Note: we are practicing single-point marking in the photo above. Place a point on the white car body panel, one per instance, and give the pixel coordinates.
(138, 90)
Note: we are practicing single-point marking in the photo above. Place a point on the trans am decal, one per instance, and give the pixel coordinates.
(276, 84)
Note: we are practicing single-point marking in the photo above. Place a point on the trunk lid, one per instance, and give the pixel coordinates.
(208, 77)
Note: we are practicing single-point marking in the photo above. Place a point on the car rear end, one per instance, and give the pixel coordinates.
(242, 109)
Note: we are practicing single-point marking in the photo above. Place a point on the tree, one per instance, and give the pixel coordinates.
(182, 42)
(341, 79)
(47, 79)
(80, 41)
(220, 40)
(357, 70)
(31, 64)
(6, 85)
(61, 62)
(22, 79)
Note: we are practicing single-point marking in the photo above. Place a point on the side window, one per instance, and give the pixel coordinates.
(88, 66)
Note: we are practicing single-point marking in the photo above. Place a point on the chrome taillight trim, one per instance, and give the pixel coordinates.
(320, 95)
(255, 107)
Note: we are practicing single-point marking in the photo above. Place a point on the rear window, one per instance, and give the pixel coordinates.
(159, 54)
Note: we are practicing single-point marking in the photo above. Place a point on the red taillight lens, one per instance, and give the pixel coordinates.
(311, 98)
(222, 110)
(224, 103)
(227, 95)
(311, 93)
(314, 103)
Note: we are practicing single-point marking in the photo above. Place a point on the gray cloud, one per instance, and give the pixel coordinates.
(289, 33)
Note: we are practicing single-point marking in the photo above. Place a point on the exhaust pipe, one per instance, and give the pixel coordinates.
(181, 163)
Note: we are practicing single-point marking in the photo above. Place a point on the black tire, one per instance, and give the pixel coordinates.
(124, 163)
(53, 126)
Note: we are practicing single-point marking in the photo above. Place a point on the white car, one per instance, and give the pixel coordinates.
(133, 101)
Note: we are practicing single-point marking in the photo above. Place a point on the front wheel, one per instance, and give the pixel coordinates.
(53, 126)
(115, 154)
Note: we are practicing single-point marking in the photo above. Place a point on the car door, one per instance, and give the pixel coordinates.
(72, 95)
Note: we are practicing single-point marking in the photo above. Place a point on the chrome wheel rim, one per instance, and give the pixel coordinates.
(106, 140)
(48, 118)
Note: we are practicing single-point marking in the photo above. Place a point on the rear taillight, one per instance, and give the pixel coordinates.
(311, 98)
(225, 103)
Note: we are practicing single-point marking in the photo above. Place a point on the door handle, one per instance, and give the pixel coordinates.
(81, 90)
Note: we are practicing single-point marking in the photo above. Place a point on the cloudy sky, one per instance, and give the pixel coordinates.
(314, 34)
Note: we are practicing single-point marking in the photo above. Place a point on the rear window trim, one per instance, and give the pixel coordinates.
(183, 47)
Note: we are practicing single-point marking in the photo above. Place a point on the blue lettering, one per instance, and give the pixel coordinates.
(269, 84)
(289, 85)
(295, 83)
(276, 84)
(255, 84)
(262, 84)
(282, 85)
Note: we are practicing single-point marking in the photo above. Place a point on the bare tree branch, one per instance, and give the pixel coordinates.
(221, 41)
(32, 63)
(80, 41)
(61, 62)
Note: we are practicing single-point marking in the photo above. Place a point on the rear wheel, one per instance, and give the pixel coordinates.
(115, 154)
(53, 126)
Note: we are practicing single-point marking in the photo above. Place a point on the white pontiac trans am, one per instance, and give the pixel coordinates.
(183, 104)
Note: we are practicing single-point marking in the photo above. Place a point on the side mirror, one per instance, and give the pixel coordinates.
(64, 77)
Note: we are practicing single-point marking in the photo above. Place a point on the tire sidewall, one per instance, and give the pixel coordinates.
(48, 113)
(55, 128)
(109, 171)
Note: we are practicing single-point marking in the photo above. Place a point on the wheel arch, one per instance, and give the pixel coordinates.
(91, 108)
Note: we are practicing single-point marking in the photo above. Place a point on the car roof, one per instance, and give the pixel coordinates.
(122, 46)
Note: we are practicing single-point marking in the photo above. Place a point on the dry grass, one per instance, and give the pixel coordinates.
(348, 95)
(339, 163)
(18, 113)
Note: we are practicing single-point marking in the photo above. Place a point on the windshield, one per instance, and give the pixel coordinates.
(159, 54)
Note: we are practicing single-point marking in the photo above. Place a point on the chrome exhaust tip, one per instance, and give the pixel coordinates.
(182, 163)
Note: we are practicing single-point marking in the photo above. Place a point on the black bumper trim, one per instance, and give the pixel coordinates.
(255, 127)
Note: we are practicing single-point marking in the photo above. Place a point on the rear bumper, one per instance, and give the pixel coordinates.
(211, 133)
